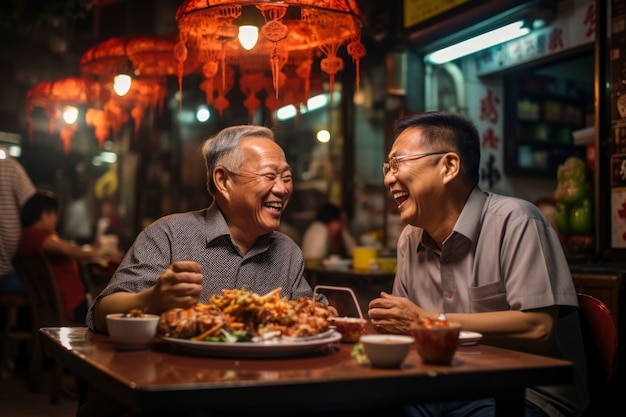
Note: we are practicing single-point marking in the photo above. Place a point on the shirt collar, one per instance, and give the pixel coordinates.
(216, 222)
(468, 223)
(217, 228)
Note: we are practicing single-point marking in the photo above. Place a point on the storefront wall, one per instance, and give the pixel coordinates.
(475, 86)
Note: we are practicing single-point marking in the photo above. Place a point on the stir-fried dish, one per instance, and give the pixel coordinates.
(241, 315)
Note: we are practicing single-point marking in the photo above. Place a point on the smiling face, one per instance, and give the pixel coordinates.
(418, 185)
(258, 193)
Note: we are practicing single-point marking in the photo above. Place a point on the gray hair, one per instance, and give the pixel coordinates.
(223, 149)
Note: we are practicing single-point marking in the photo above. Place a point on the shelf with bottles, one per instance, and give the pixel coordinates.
(536, 158)
(538, 124)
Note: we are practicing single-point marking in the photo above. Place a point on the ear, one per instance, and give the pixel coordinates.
(451, 166)
(221, 180)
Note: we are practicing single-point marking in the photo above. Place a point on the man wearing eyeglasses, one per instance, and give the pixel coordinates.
(492, 263)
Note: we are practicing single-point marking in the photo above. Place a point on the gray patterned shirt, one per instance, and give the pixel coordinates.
(203, 236)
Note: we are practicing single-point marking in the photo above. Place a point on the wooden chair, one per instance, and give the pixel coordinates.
(10, 305)
(600, 340)
(46, 311)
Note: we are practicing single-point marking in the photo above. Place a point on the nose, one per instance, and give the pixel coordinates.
(389, 179)
(282, 186)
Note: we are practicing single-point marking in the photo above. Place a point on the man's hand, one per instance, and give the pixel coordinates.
(391, 314)
(179, 286)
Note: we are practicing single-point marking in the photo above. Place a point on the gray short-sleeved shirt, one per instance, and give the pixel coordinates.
(203, 236)
(502, 255)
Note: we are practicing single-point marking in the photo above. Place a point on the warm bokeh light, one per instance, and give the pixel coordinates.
(323, 136)
(203, 114)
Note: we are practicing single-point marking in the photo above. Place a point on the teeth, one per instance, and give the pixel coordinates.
(275, 205)
(400, 194)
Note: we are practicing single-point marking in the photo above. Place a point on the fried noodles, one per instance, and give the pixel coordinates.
(246, 314)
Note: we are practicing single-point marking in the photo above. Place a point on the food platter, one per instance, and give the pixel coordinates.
(275, 348)
(469, 338)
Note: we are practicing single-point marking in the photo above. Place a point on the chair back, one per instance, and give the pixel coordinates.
(600, 333)
(46, 311)
(600, 340)
(41, 287)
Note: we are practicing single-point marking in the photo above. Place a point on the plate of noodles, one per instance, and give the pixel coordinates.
(241, 323)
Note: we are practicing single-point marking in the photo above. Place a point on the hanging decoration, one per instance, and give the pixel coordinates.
(292, 34)
(149, 60)
(53, 97)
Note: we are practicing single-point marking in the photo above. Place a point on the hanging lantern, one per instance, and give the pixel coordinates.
(53, 97)
(147, 59)
(291, 34)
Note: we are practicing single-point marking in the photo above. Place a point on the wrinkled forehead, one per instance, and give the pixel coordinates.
(262, 153)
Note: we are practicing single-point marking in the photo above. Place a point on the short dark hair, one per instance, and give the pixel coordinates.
(41, 202)
(328, 212)
(447, 131)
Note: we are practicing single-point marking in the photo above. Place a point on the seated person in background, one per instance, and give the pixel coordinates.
(39, 218)
(109, 222)
(185, 258)
(492, 263)
(107, 236)
(328, 234)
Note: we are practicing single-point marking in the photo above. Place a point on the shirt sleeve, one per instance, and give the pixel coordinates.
(25, 188)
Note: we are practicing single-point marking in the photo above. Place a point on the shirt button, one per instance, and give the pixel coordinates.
(449, 296)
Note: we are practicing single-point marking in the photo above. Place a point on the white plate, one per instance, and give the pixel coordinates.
(270, 349)
(469, 338)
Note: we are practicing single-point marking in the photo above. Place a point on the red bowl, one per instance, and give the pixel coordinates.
(436, 340)
(351, 328)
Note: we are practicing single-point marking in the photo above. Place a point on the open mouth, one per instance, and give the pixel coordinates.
(400, 197)
(275, 206)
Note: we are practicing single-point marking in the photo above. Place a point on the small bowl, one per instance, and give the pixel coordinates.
(132, 333)
(386, 350)
(337, 264)
(436, 340)
(351, 328)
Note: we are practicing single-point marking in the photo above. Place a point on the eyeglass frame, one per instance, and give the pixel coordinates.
(389, 166)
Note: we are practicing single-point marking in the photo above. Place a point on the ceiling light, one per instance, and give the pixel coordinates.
(121, 84)
(70, 114)
(478, 43)
(248, 35)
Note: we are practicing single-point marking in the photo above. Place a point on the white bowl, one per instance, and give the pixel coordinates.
(386, 350)
(337, 264)
(132, 333)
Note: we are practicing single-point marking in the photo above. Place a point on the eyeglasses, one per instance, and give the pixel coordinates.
(394, 162)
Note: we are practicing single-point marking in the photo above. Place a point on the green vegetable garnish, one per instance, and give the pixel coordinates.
(358, 353)
(233, 336)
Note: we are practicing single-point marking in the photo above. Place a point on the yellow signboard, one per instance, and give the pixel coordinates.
(418, 11)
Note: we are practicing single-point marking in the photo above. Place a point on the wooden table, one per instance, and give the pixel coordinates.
(160, 380)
